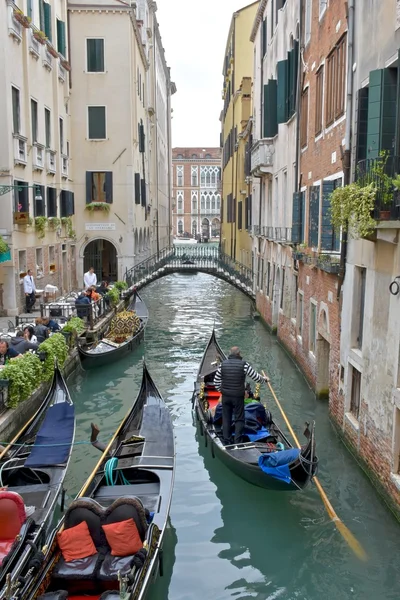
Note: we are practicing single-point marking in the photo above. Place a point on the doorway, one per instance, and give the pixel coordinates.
(323, 357)
(276, 300)
(64, 270)
(102, 256)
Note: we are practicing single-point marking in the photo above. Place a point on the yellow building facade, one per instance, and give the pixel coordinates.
(235, 134)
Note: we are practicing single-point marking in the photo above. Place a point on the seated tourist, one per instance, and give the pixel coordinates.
(41, 331)
(22, 345)
(51, 324)
(82, 304)
(103, 288)
(29, 334)
(7, 353)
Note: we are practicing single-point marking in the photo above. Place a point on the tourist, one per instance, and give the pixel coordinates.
(230, 378)
(29, 334)
(7, 353)
(82, 305)
(41, 331)
(22, 345)
(29, 290)
(90, 278)
(103, 288)
(51, 324)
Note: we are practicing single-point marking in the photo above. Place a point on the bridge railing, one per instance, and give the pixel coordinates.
(148, 266)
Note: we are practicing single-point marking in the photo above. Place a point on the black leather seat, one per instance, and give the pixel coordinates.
(121, 510)
(84, 509)
(60, 595)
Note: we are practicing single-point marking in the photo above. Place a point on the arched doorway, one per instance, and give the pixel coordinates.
(194, 228)
(215, 227)
(205, 228)
(102, 256)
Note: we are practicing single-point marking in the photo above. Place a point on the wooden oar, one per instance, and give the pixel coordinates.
(345, 532)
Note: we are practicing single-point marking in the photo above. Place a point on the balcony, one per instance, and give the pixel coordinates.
(262, 157)
(51, 161)
(47, 59)
(20, 149)
(34, 46)
(64, 166)
(61, 73)
(282, 235)
(38, 157)
(14, 27)
(381, 171)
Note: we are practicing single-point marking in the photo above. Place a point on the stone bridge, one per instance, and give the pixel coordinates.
(192, 258)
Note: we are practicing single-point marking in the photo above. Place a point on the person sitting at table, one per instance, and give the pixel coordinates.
(93, 295)
(41, 331)
(29, 334)
(103, 288)
(7, 353)
(82, 304)
(21, 345)
(51, 324)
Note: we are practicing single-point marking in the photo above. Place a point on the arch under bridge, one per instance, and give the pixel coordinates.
(204, 259)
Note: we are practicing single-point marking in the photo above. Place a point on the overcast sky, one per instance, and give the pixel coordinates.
(194, 36)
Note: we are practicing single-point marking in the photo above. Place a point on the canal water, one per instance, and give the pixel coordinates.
(228, 539)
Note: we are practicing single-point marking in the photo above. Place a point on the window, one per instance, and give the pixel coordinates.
(218, 202)
(194, 228)
(335, 82)
(47, 127)
(195, 176)
(180, 204)
(47, 19)
(52, 259)
(22, 261)
(61, 37)
(194, 202)
(51, 202)
(300, 313)
(304, 119)
(61, 123)
(294, 296)
(203, 202)
(96, 122)
(29, 11)
(34, 120)
(282, 289)
(313, 326)
(39, 262)
(95, 55)
(208, 156)
(180, 226)
(208, 203)
(322, 7)
(16, 111)
(209, 177)
(268, 282)
(180, 156)
(179, 176)
(21, 197)
(319, 83)
(355, 392)
(360, 276)
(67, 203)
(308, 21)
(39, 203)
(99, 186)
(194, 156)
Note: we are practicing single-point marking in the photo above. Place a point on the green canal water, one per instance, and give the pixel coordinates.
(228, 539)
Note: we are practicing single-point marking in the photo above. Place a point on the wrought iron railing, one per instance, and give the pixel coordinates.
(148, 266)
(277, 234)
(381, 171)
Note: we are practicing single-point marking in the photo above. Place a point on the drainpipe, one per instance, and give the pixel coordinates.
(346, 157)
(156, 135)
(233, 129)
(298, 99)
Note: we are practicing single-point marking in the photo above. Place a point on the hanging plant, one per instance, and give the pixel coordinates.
(40, 226)
(54, 222)
(67, 222)
(4, 247)
(352, 207)
(54, 347)
(113, 295)
(92, 206)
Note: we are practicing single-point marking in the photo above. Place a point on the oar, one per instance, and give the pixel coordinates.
(345, 532)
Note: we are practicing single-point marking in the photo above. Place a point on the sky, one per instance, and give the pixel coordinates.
(194, 36)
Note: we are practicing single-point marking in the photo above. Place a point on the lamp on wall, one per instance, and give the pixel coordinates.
(394, 287)
(121, 239)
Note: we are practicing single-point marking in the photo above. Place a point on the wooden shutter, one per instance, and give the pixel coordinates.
(141, 137)
(264, 37)
(89, 180)
(143, 191)
(108, 186)
(137, 188)
(362, 124)
(47, 20)
(240, 214)
(41, 15)
(51, 202)
(72, 194)
(270, 109)
(29, 9)
(282, 91)
(327, 233)
(63, 204)
(313, 216)
(303, 212)
(250, 210)
(293, 59)
(61, 37)
(381, 111)
(297, 218)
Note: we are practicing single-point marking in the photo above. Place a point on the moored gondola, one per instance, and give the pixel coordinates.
(32, 472)
(106, 351)
(120, 515)
(266, 458)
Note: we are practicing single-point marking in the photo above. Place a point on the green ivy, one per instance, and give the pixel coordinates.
(54, 222)
(74, 325)
(24, 375)
(4, 247)
(40, 226)
(67, 222)
(113, 295)
(351, 208)
(55, 347)
(120, 285)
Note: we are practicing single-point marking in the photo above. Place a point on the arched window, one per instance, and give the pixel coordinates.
(202, 202)
(194, 204)
(208, 203)
(218, 202)
(194, 228)
(208, 179)
(202, 177)
(180, 226)
(180, 156)
(213, 203)
(208, 155)
(194, 155)
(180, 204)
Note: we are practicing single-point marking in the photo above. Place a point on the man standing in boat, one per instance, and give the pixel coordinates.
(230, 379)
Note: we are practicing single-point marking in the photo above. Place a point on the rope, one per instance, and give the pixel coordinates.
(112, 474)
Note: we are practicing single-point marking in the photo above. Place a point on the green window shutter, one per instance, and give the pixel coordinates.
(61, 37)
(41, 15)
(47, 20)
(270, 128)
(143, 191)
(97, 122)
(313, 216)
(293, 58)
(95, 55)
(240, 214)
(29, 9)
(264, 37)
(282, 91)
(89, 180)
(362, 124)
(389, 107)
(108, 185)
(137, 188)
(297, 218)
(303, 212)
(381, 111)
(327, 233)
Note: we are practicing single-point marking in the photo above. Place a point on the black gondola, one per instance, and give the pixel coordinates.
(32, 472)
(105, 351)
(132, 480)
(261, 460)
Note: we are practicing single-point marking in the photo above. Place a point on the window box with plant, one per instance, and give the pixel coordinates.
(21, 18)
(329, 264)
(54, 223)
(352, 208)
(65, 64)
(69, 230)
(94, 206)
(51, 50)
(40, 226)
(40, 36)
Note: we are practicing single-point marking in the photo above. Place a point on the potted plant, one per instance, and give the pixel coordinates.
(21, 18)
(54, 222)
(40, 226)
(65, 64)
(352, 208)
(52, 50)
(40, 36)
(92, 206)
(67, 222)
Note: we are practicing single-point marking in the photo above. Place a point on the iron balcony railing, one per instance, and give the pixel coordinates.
(381, 171)
(277, 234)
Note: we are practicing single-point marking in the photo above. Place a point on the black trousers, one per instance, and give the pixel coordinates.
(30, 301)
(232, 406)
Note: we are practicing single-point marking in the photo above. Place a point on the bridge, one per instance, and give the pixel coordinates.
(192, 259)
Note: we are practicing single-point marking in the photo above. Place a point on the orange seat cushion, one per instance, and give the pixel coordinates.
(5, 547)
(123, 538)
(76, 542)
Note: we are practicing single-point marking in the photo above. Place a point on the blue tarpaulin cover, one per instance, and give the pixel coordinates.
(259, 435)
(53, 441)
(277, 464)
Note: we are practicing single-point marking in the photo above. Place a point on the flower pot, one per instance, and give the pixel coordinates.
(39, 38)
(23, 19)
(65, 64)
(21, 218)
(384, 215)
(52, 51)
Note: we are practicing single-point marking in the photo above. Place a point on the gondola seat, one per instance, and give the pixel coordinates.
(110, 595)
(84, 509)
(12, 517)
(59, 595)
(122, 509)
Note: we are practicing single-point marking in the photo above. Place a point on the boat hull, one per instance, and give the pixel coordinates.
(92, 361)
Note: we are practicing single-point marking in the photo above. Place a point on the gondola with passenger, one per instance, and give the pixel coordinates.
(266, 457)
(109, 544)
(32, 471)
(125, 334)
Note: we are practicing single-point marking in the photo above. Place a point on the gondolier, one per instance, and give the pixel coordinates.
(230, 379)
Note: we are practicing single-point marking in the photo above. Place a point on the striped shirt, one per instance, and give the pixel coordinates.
(248, 372)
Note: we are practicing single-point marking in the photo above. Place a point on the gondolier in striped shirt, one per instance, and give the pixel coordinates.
(230, 379)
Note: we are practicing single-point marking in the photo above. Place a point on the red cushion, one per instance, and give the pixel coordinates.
(123, 538)
(12, 514)
(76, 542)
(5, 547)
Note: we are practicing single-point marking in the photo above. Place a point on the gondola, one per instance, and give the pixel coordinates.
(32, 472)
(106, 351)
(266, 458)
(132, 480)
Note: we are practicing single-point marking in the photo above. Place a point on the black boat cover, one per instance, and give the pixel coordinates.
(53, 441)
